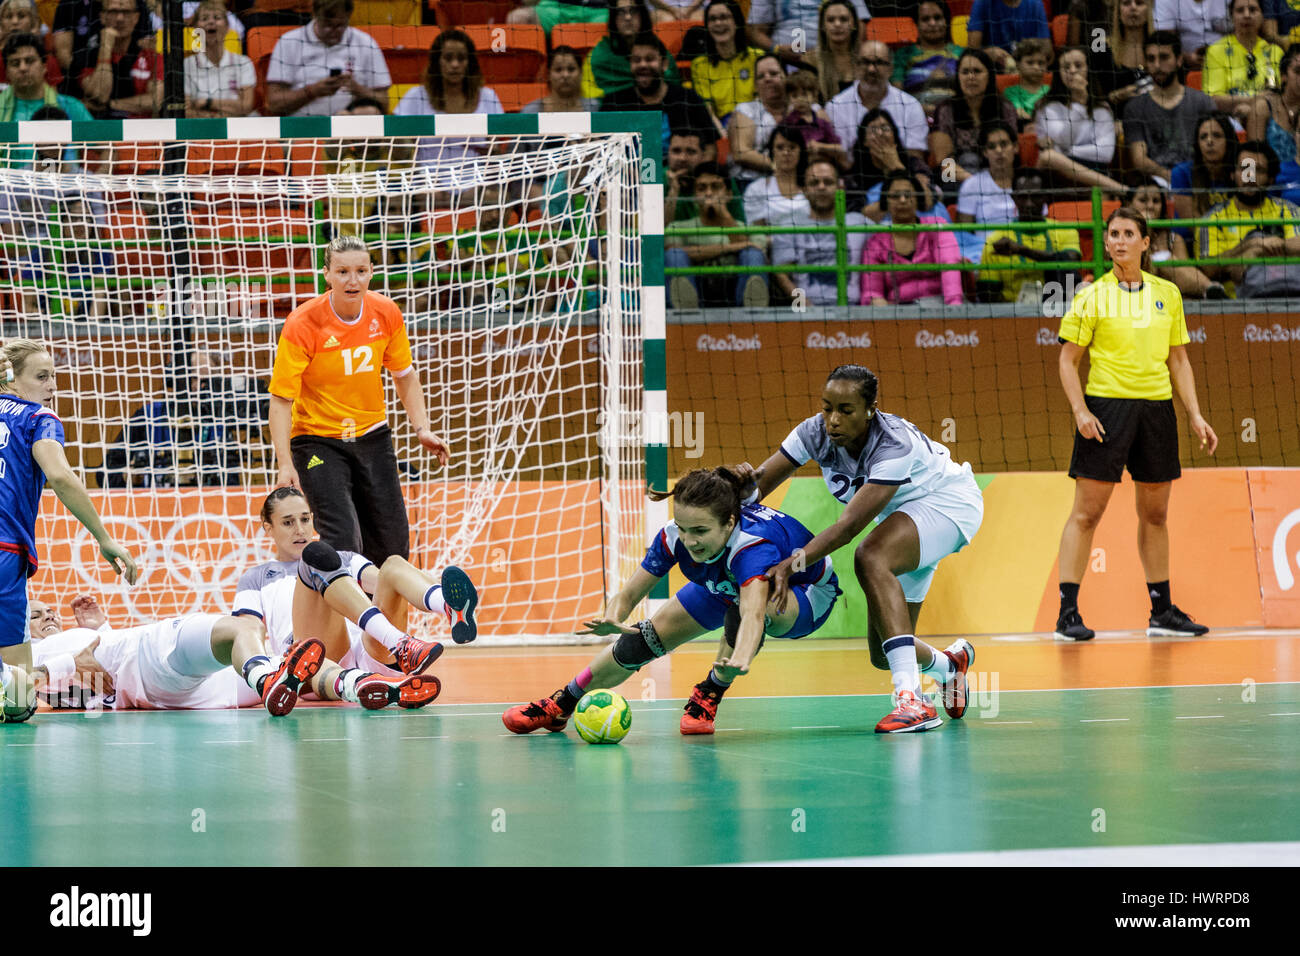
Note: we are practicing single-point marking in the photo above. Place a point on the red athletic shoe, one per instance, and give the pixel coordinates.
(544, 714)
(701, 711)
(910, 713)
(280, 690)
(953, 692)
(414, 656)
(375, 693)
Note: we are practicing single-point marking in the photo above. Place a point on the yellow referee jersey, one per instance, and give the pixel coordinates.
(1128, 335)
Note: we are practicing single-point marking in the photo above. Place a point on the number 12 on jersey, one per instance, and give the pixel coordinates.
(362, 355)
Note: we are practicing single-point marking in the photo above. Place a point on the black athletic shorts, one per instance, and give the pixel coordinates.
(1140, 433)
(354, 492)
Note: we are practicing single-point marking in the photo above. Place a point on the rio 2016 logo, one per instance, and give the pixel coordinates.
(1282, 560)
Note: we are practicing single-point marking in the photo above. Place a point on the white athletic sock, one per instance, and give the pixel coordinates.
(256, 668)
(380, 628)
(345, 683)
(433, 600)
(941, 667)
(901, 652)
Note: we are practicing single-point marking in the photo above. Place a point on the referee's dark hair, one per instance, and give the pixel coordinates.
(863, 376)
(1135, 217)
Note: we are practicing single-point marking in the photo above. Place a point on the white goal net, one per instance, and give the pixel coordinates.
(160, 274)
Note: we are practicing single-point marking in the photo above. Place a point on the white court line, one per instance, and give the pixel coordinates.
(1201, 717)
(443, 737)
(1008, 721)
(1285, 715)
(818, 727)
(31, 745)
(727, 730)
(321, 740)
(1186, 854)
(1103, 720)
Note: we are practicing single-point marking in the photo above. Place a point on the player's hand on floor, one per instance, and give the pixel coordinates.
(435, 444)
(606, 628)
(90, 673)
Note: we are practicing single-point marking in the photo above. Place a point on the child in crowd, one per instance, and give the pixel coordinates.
(806, 115)
(1033, 56)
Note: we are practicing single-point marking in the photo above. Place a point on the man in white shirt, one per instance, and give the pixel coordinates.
(317, 70)
(820, 182)
(1198, 23)
(847, 108)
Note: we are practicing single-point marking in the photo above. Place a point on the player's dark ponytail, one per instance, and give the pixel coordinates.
(274, 498)
(862, 376)
(718, 489)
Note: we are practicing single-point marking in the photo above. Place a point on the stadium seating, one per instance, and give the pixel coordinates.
(1060, 27)
(1194, 79)
(583, 37)
(1028, 148)
(960, 8)
(386, 11)
(672, 33)
(515, 95)
(895, 31)
(509, 53)
(234, 159)
(1081, 212)
(959, 28)
(1006, 80)
(450, 13)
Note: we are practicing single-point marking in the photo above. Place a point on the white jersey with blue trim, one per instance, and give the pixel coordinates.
(896, 453)
(266, 592)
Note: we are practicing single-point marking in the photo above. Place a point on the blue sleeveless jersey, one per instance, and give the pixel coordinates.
(763, 539)
(22, 425)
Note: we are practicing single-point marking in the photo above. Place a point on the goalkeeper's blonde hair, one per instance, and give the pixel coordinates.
(16, 353)
(341, 244)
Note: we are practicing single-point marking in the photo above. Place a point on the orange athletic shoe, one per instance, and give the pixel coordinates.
(701, 711)
(911, 713)
(953, 692)
(280, 690)
(376, 693)
(414, 656)
(544, 714)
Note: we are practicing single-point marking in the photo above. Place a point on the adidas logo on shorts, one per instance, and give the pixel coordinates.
(315, 460)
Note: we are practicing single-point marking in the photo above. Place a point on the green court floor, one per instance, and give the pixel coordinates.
(784, 779)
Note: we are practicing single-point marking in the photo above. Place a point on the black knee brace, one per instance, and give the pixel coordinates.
(320, 566)
(731, 628)
(633, 653)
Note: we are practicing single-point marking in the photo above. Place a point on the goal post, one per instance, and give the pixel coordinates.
(159, 258)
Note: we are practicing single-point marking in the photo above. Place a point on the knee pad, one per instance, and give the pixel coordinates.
(633, 653)
(320, 566)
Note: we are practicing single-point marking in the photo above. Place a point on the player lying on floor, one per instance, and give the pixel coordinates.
(194, 662)
(311, 589)
(725, 551)
(882, 466)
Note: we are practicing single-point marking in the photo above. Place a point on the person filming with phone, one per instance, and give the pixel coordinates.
(317, 70)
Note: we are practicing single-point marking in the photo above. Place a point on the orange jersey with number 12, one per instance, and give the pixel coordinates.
(332, 370)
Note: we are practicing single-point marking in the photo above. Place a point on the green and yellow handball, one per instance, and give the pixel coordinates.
(602, 717)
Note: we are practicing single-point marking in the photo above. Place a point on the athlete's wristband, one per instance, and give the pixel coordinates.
(60, 667)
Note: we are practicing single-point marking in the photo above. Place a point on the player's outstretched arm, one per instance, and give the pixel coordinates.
(280, 420)
(49, 454)
(632, 594)
(753, 611)
(768, 475)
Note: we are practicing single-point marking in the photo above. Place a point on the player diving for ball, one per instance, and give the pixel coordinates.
(882, 466)
(311, 589)
(725, 550)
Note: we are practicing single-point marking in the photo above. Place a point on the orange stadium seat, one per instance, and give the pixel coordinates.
(583, 37)
(1028, 143)
(453, 13)
(515, 95)
(1194, 79)
(895, 31)
(136, 158)
(672, 32)
(235, 159)
(406, 66)
(509, 53)
(385, 11)
(1006, 80)
(960, 8)
(1060, 28)
(1081, 212)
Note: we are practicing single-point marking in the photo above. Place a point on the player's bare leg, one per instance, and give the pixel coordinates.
(1167, 619)
(1090, 500)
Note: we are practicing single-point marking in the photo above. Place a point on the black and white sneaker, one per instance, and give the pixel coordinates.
(1070, 627)
(1174, 623)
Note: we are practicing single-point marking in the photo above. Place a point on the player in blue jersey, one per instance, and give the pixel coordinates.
(31, 454)
(725, 550)
(881, 466)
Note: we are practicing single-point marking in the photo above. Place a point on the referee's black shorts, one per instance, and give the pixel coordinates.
(354, 493)
(1140, 433)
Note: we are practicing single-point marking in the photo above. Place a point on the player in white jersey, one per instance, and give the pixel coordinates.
(312, 589)
(882, 466)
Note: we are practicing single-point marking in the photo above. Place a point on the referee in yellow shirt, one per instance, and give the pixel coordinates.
(1131, 324)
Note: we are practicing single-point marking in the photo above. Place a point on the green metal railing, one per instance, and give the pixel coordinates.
(842, 269)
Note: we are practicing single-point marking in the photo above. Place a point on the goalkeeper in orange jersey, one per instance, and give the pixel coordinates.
(329, 424)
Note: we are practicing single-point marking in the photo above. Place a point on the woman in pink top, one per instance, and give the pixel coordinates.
(898, 287)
